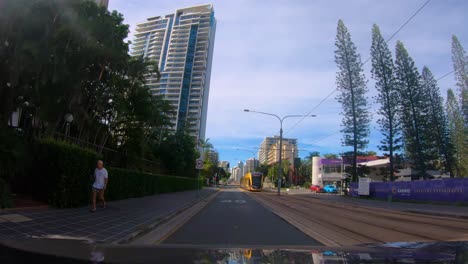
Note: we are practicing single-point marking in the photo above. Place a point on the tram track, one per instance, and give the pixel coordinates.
(347, 225)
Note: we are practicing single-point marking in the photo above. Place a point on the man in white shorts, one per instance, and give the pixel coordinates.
(100, 184)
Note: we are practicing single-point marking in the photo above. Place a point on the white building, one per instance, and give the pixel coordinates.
(104, 3)
(238, 172)
(326, 171)
(269, 150)
(182, 45)
(265, 147)
(224, 164)
(250, 165)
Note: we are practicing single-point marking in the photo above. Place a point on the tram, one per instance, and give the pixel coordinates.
(252, 181)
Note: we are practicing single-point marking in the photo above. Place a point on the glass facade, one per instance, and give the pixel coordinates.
(184, 96)
(182, 45)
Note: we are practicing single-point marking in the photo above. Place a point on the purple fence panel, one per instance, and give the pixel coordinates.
(447, 190)
(353, 189)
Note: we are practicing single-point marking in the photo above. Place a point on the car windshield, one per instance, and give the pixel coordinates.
(245, 125)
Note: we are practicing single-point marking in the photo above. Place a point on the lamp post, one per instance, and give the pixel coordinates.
(68, 119)
(281, 119)
(253, 155)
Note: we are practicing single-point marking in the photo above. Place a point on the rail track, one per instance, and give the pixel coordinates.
(339, 224)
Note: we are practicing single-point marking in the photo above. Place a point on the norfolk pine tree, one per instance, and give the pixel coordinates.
(387, 97)
(460, 66)
(457, 134)
(351, 83)
(439, 134)
(414, 110)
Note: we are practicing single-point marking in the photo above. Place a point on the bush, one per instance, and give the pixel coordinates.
(63, 173)
(15, 159)
(6, 200)
(127, 183)
(306, 185)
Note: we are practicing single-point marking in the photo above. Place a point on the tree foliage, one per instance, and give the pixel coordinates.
(351, 84)
(457, 134)
(73, 59)
(383, 71)
(441, 144)
(414, 110)
(460, 66)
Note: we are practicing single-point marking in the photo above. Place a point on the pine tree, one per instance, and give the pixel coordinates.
(351, 83)
(388, 96)
(414, 110)
(460, 66)
(438, 134)
(457, 134)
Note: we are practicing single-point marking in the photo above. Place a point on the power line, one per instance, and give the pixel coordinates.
(402, 26)
(334, 90)
(310, 112)
(376, 111)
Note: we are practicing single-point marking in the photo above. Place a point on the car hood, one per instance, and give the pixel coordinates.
(71, 250)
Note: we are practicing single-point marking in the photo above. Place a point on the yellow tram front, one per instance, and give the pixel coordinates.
(252, 181)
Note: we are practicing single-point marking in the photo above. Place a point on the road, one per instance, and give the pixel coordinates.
(336, 224)
(233, 218)
(237, 218)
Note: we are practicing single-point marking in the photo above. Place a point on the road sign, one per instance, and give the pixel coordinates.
(199, 164)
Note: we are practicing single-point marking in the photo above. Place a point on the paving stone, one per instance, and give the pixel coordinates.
(16, 218)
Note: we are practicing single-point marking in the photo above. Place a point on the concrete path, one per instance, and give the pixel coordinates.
(115, 223)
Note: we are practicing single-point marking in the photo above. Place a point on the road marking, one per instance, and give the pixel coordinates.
(231, 201)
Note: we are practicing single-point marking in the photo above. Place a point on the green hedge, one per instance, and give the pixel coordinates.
(127, 183)
(6, 200)
(63, 174)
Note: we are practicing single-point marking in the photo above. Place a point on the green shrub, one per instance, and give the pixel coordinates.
(6, 201)
(127, 183)
(63, 173)
(306, 185)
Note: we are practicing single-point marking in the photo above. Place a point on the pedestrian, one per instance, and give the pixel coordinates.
(100, 184)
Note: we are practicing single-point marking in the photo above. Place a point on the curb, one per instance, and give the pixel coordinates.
(158, 221)
(26, 208)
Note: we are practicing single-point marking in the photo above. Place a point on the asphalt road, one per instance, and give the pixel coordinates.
(232, 218)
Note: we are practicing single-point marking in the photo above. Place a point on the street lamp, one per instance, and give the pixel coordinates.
(281, 119)
(68, 119)
(253, 155)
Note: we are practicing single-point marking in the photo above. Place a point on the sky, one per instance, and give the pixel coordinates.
(277, 56)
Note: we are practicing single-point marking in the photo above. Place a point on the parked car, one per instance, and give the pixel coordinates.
(330, 189)
(316, 188)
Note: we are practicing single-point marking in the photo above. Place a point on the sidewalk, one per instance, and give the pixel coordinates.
(419, 208)
(118, 221)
